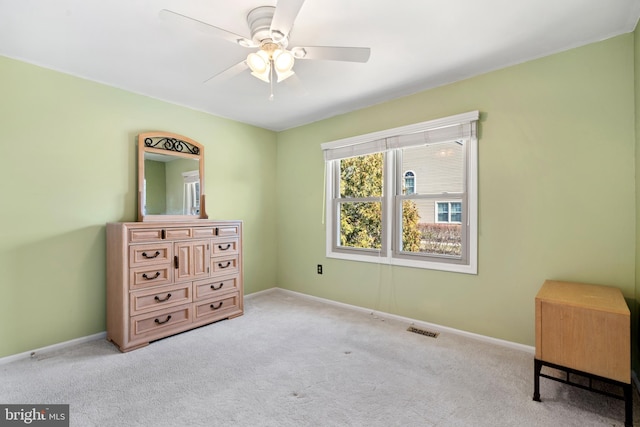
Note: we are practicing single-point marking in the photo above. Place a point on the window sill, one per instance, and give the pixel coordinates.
(403, 262)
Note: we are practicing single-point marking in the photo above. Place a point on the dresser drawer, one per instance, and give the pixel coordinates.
(224, 265)
(178, 233)
(203, 232)
(153, 275)
(224, 247)
(150, 254)
(159, 298)
(227, 231)
(219, 308)
(210, 288)
(146, 235)
(159, 322)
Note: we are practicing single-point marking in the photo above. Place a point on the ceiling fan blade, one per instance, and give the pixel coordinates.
(285, 15)
(182, 20)
(230, 72)
(332, 53)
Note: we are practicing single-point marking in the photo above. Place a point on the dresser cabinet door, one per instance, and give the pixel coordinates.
(191, 260)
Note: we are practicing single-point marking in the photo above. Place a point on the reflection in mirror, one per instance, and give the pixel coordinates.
(171, 185)
(170, 177)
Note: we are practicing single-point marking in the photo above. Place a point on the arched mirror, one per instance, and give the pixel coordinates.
(170, 177)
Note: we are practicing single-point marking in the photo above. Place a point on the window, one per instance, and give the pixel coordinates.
(191, 199)
(449, 212)
(409, 182)
(376, 210)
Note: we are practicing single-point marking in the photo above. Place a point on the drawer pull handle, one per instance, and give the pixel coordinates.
(151, 278)
(224, 249)
(144, 254)
(214, 307)
(224, 266)
(164, 321)
(157, 298)
(218, 288)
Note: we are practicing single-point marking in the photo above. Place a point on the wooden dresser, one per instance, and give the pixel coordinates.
(584, 329)
(168, 277)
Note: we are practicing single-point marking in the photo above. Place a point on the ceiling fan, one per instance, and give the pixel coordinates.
(270, 30)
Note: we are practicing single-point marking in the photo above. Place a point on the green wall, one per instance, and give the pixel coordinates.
(68, 166)
(556, 193)
(155, 175)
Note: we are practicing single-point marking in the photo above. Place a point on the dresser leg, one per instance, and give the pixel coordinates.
(628, 405)
(537, 367)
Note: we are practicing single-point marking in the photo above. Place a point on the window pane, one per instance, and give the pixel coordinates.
(361, 176)
(423, 235)
(410, 226)
(443, 212)
(456, 212)
(439, 166)
(361, 224)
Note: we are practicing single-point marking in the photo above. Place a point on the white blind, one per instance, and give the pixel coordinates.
(356, 149)
(432, 132)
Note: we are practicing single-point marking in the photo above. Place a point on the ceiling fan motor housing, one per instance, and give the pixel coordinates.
(259, 20)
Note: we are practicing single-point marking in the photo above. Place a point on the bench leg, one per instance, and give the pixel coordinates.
(628, 405)
(537, 367)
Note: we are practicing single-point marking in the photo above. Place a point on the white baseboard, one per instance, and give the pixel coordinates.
(50, 348)
(420, 323)
(266, 291)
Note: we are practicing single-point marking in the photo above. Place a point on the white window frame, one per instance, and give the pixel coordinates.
(388, 141)
(191, 196)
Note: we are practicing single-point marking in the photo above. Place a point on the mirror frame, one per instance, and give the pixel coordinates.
(170, 144)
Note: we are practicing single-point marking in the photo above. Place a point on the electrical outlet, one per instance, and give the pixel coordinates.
(319, 268)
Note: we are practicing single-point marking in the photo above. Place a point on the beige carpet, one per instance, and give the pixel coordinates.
(291, 361)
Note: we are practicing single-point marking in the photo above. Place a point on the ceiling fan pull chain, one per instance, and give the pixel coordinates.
(271, 81)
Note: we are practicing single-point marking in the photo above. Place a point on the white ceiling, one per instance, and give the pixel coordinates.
(415, 45)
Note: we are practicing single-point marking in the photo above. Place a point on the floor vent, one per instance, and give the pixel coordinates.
(423, 332)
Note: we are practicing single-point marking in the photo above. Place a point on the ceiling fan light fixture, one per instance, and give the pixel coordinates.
(262, 76)
(284, 75)
(260, 65)
(283, 61)
(258, 62)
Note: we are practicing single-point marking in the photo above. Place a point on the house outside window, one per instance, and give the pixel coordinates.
(376, 210)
